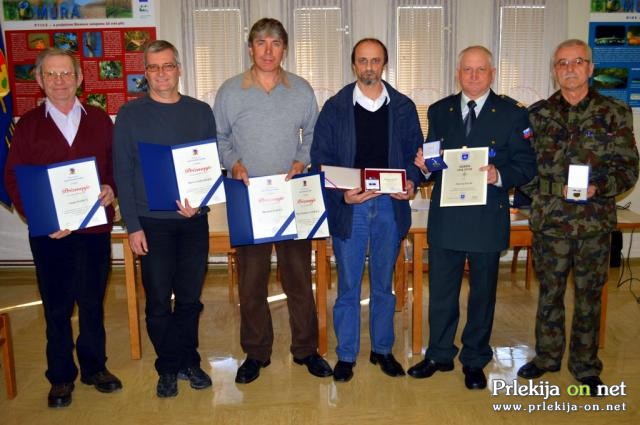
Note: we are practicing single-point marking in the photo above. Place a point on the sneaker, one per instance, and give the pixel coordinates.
(167, 385)
(198, 379)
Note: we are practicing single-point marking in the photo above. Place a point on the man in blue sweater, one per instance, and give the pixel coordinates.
(367, 124)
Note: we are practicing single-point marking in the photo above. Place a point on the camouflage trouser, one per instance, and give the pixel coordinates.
(553, 259)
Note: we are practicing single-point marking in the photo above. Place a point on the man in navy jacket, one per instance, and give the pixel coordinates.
(367, 124)
(475, 233)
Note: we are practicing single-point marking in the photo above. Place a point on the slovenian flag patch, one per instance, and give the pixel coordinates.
(527, 133)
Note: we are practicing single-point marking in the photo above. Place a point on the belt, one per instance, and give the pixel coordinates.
(550, 187)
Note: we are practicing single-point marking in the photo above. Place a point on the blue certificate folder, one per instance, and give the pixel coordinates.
(239, 215)
(159, 173)
(37, 197)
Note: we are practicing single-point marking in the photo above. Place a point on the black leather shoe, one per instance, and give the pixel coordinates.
(316, 364)
(388, 363)
(104, 381)
(426, 368)
(343, 371)
(474, 378)
(167, 385)
(250, 370)
(60, 395)
(592, 382)
(531, 371)
(198, 379)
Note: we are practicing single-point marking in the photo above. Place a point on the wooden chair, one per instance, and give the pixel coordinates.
(6, 344)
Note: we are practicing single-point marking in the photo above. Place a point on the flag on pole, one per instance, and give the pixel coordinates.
(6, 121)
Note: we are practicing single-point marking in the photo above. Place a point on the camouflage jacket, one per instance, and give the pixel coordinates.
(598, 131)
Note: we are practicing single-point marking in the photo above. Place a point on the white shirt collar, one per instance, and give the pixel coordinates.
(50, 108)
(370, 105)
(479, 103)
(67, 123)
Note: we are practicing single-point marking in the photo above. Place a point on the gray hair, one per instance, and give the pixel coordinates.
(477, 47)
(158, 46)
(570, 43)
(55, 51)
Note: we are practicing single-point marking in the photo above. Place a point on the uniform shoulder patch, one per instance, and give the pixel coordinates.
(512, 101)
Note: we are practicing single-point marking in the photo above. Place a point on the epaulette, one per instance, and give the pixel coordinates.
(538, 105)
(512, 100)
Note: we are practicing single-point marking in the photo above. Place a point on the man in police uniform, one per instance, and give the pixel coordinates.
(576, 125)
(476, 233)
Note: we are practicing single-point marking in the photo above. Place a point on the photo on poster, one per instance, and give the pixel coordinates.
(610, 35)
(99, 100)
(610, 78)
(92, 44)
(119, 9)
(38, 40)
(135, 41)
(633, 35)
(110, 70)
(66, 41)
(137, 83)
(25, 72)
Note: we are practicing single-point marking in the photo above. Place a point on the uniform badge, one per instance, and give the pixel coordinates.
(527, 133)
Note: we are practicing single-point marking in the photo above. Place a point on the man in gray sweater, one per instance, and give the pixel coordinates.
(260, 115)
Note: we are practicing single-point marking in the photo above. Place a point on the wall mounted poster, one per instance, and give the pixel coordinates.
(108, 37)
(614, 37)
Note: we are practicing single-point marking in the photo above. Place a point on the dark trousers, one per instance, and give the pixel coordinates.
(256, 329)
(445, 279)
(73, 270)
(175, 264)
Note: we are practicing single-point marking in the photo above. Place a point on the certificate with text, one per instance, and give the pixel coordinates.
(197, 169)
(308, 206)
(183, 171)
(463, 184)
(61, 196)
(271, 207)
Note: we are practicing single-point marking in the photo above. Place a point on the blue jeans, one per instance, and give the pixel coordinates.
(374, 227)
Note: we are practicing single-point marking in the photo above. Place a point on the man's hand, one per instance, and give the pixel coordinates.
(419, 161)
(296, 168)
(138, 243)
(492, 173)
(60, 234)
(239, 172)
(355, 196)
(404, 196)
(106, 195)
(186, 210)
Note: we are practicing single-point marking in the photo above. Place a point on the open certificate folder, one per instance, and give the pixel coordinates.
(61, 196)
(271, 209)
(190, 170)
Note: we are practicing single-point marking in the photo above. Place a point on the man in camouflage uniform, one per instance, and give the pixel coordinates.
(576, 125)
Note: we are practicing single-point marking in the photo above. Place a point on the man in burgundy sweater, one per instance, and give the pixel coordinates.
(71, 267)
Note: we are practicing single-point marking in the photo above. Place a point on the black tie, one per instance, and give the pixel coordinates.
(471, 117)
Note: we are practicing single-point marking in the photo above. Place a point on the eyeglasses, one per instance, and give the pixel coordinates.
(53, 75)
(564, 63)
(166, 67)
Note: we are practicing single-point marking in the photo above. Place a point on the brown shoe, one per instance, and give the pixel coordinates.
(60, 395)
(104, 381)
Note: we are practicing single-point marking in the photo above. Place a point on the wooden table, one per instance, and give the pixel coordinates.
(520, 236)
(218, 243)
